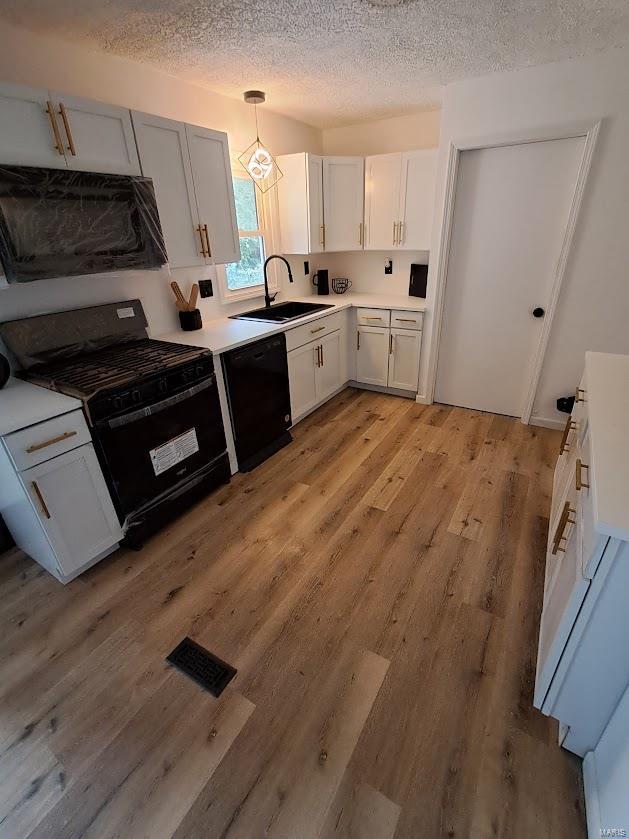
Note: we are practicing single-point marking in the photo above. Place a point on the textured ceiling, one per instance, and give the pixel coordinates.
(333, 63)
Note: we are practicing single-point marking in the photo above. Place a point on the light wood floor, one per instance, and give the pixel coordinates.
(377, 584)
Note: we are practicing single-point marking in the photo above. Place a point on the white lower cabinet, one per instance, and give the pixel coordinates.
(388, 357)
(372, 355)
(315, 372)
(72, 502)
(405, 347)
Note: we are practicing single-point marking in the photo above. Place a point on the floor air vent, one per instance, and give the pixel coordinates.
(206, 669)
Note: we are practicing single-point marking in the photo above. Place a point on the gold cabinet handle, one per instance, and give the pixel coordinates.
(570, 425)
(317, 360)
(35, 447)
(321, 351)
(360, 234)
(394, 232)
(358, 339)
(580, 466)
(399, 232)
(578, 398)
(40, 498)
(207, 241)
(390, 343)
(66, 125)
(370, 317)
(203, 252)
(406, 320)
(318, 329)
(564, 520)
(55, 128)
(322, 235)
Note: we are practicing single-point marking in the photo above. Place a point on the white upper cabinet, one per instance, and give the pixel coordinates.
(417, 198)
(382, 201)
(300, 203)
(191, 172)
(96, 137)
(399, 198)
(343, 187)
(43, 128)
(30, 134)
(214, 192)
(164, 155)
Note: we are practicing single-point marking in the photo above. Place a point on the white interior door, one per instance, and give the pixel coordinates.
(510, 216)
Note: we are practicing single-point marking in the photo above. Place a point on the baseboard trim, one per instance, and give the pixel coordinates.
(391, 391)
(590, 789)
(546, 422)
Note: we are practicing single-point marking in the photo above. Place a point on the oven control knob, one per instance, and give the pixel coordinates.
(136, 396)
(199, 369)
(117, 403)
(162, 385)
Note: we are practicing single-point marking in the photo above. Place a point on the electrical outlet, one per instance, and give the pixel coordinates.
(205, 288)
(306, 267)
(388, 266)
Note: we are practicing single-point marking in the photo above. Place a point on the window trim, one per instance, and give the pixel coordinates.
(266, 207)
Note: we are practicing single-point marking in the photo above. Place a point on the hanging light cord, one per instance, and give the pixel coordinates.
(255, 110)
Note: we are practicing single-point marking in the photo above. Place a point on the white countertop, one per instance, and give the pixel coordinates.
(23, 404)
(607, 386)
(224, 334)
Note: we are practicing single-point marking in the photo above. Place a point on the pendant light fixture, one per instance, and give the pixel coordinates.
(259, 163)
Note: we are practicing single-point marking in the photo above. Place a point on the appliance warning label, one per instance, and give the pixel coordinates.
(169, 454)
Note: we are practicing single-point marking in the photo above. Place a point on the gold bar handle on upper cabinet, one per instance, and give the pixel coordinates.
(207, 240)
(564, 521)
(399, 232)
(360, 234)
(577, 397)
(40, 498)
(570, 425)
(580, 466)
(66, 125)
(322, 235)
(203, 252)
(55, 128)
(394, 233)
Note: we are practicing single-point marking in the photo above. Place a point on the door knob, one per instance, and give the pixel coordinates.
(538, 312)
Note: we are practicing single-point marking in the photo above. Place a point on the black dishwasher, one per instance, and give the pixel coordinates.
(259, 399)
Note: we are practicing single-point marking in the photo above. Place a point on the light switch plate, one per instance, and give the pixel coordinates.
(205, 288)
(388, 266)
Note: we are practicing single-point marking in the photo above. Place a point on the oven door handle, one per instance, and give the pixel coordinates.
(151, 410)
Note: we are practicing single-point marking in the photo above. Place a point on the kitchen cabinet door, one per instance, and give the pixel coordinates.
(343, 188)
(328, 370)
(164, 157)
(372, 355)
(31, 131)
(382, 201)
(405, 347)
(214, 191)
(71, 498)
(302, 364)
(315, 203)
(417, 196)
(96, 137)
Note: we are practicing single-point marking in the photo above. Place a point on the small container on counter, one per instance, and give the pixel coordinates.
(190, 320)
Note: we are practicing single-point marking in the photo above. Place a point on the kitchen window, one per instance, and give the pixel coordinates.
(245, 279)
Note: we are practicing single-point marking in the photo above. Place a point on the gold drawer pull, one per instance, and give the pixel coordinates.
(577, 397)
(570, 426)
(564, 520)
(580, 466)
(407, 320)
(35, 447)
(40, 498)
(372, 318)
(318, 329)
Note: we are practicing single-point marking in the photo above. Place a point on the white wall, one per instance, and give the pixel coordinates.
(27, 58)
(594, 306)
(405, 133)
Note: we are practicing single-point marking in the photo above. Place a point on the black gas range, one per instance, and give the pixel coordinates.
(152, 406)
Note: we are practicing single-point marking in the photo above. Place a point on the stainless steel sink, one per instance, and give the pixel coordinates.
(282, 312)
